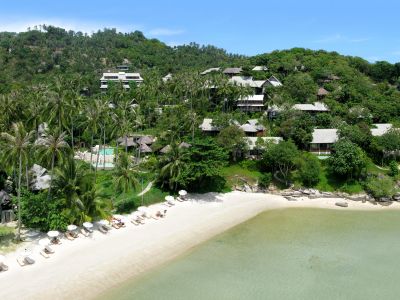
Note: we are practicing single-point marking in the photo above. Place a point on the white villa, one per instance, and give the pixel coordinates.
(316, 107)
(380, 129)
(322, 140)
(123, 77)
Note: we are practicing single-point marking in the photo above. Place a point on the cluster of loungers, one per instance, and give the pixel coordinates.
(103, 226)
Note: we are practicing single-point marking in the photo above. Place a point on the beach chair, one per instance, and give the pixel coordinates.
(134, 222)
(69, 236)
(21, 261)
(48, 249)
(84, 232)
(3, 267)
(29, 260)
(44, 254)
(103, 230)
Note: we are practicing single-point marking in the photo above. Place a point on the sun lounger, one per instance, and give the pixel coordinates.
(84, 232)
(69, 236)
(48, 249)
(56, 241)
(103, 230)
(21, 261)
(44, 254)
(29, 260)
(3, 267)
(134, 222)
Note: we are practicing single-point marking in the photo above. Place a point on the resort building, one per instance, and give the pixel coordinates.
(321, 93)
(208, 127)
(274, 82)
(124, 78)
(123, 68)
(317, 107)
(232, 71)
(253, 128)
(251, 103)
(210, 70)
(273, 111)
(380, 129)
(167, 77)
(260, 68)
(322, 140)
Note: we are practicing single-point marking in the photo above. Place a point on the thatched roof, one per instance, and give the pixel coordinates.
(129, 142)
(143, 148)
(166, 149)
(322, 92)
(146, 139)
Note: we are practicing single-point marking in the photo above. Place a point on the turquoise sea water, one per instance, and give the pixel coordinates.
(285, 254)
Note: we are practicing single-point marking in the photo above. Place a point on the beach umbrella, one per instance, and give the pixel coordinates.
(53, 234)
(71, 227)
(182, 193)
(87, 225)
(142, 209)
(169, 198)
(103, 222)
(44, 242)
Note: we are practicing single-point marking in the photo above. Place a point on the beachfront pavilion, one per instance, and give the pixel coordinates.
(322, 141)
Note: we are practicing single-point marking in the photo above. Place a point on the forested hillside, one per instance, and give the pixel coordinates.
(53, 113)
(35, 55)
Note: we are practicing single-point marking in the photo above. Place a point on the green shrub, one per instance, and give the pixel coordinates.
(265, 180)
(393, 168)
(125, 205)
(6, 233)
(380, 186)
(309, 169)
(39, 213)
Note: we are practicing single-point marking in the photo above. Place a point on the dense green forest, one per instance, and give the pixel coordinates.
(50, 75)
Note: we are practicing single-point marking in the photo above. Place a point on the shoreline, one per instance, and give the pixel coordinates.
(88, 267)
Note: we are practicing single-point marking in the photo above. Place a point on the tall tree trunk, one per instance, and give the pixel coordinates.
(104, 142)
(116, 151)
(72, 135)
(91, 151)
(27, 176)
(98, 155)
(126, 143)
(19, 198)
(53, 157)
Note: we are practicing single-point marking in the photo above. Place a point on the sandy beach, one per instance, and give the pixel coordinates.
(86, 267)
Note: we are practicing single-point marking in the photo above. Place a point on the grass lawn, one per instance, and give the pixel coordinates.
(127, 202)
(6, 239)
(239, 174)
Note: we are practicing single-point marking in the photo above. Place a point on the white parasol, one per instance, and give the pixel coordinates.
(53, 234)
(103, 222)
(87, 225)
(26, 252)
(182, 193)
(142, 209)
(169, 198)
(71, 227)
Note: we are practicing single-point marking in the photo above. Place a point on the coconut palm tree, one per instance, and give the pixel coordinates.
(52, 147)
(16, 151)
(125, 174)
(172, 165)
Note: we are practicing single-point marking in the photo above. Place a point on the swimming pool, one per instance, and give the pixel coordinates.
(107, 151)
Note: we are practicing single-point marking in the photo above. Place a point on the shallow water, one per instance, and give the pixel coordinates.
(285, 254)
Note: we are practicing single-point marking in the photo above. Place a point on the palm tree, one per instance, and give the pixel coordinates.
(52, 147)
(125, 174)
(172, 165)
(16, 151)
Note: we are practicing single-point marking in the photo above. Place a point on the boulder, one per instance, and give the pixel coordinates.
(342, 204)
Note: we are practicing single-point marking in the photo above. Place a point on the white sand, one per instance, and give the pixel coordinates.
(85, 267)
